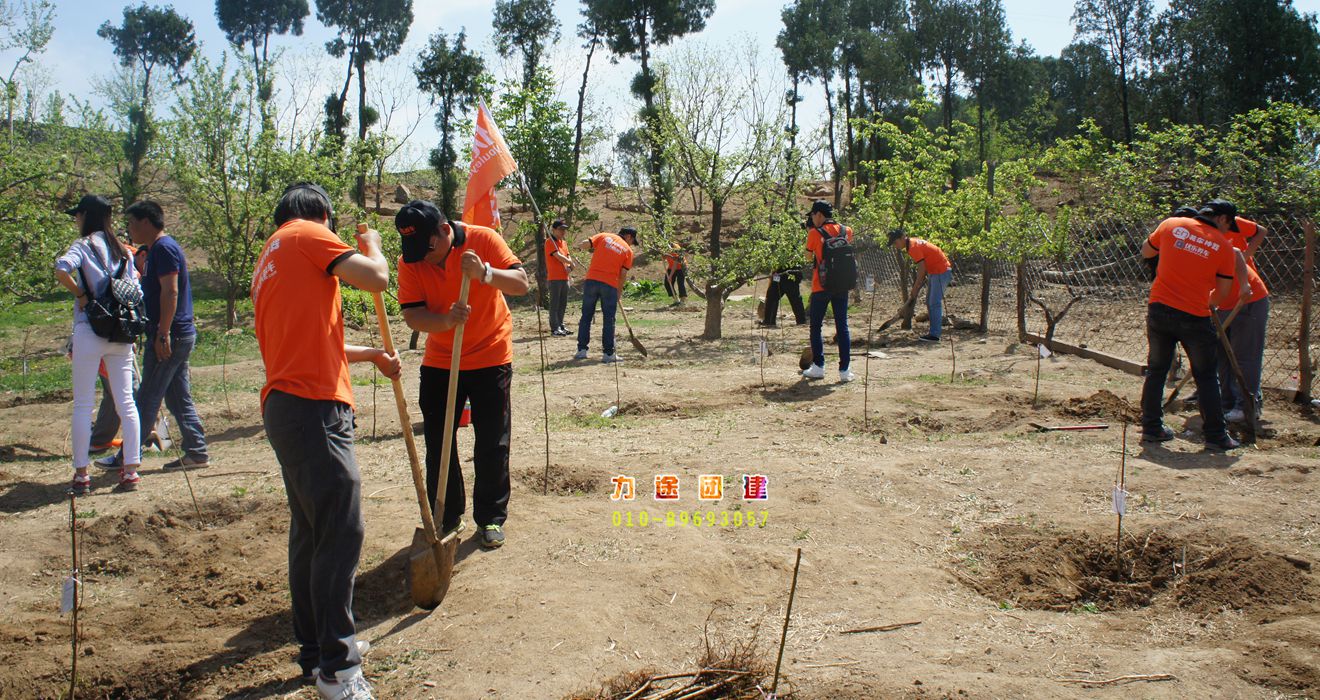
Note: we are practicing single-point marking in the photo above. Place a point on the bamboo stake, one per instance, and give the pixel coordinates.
(783, 637)
(954, 354)
(1121, 679)
(883, 628)
(371, 328)
(618, 400)
(224, 371)
(77, 591)
(545, 398)
(188, 480)
(1036, 395)
(866, 362)
(1122, 486)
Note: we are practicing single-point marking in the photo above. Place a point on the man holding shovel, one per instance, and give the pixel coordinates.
(932, 265)
(1194, 274)
(437, 254)
(307, 409)
(611, 258)
(558, 266)
(1246, 332)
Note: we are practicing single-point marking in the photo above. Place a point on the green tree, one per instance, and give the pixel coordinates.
(253, 22)
(526, 28)
(368, 30)
(147, 38)
(809, 43)
(633, 28)
(451, 75)
(986, 53)
(1122, 28)
(29, 34)
(590, 31)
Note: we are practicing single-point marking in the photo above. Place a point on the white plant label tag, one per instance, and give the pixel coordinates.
(1120, 500)
(765, 349)
(1044, 351)
(774, 278)
(68, 594)
(870, 283)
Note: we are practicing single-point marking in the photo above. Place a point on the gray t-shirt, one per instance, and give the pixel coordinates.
(86, 258)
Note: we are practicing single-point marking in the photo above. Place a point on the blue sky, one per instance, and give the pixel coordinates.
(77, 58)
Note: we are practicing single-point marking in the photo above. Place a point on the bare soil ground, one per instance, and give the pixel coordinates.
(940, 506)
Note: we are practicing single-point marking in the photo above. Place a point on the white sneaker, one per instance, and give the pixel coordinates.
(610, 359)
(581, 355)
(349, 684)
(846, 376)
(1234, 416)
(110, 464)
(363, 646)
(814, 372)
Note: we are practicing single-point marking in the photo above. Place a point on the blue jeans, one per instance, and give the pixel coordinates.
(168, 380)
(935, 300)
(1247, 338)
(819, 301)
(596, 291)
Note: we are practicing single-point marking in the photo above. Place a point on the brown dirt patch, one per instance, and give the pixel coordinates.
(1053, 569)
(1102, 404)
(566, 480)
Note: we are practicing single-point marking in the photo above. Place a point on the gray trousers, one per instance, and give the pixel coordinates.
(558, 303)
(1247, 338)
(313, 441)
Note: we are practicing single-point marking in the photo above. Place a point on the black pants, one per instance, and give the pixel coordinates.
(678, 283)
(558, 303)
(492, 425)
(786, 285)
(1165, 328)
(313, 441)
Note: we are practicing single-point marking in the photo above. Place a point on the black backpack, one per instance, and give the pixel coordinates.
(120, 313)
(838, 263)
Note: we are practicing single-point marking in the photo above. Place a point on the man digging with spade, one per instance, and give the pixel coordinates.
(307, 409)
(437, 254)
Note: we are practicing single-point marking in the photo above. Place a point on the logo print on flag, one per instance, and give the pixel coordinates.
(491, 162)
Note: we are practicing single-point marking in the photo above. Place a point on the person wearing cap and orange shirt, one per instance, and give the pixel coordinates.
(1195, 273)
(822, 224)
(307, 410)
(932, 265)
(558, 266)
(676, 274)
(437, 254)
(1246, 334)
(611, 258)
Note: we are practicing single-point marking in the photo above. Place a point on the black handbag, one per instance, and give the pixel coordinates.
(120, 313)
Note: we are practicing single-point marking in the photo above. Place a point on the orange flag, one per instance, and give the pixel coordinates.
(491, 162)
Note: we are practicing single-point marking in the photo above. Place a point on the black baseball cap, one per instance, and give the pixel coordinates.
(417, 221)
(93, 204)
(628, 230)
(895, 234)
(559, 223)
(823, 207)
(1184, 211)
(1221, 207)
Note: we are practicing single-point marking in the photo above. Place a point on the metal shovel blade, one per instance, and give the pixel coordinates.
(430, 569)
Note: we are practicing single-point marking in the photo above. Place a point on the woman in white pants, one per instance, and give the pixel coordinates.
(95, 256)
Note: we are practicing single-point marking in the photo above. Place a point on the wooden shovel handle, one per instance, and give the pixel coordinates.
(447, 446)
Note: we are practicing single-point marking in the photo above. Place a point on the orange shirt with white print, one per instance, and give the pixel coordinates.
(299, 327)
(488, 333)
(610, 256)
(1247, 230)
(936, 261)
(816, 246)
(1193, 255)
(674, 261)
(554, 268)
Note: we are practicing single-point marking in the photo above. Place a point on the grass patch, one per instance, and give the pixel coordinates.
(583, 421)
(37, 313)
(215, 346)
(45, 375)
(651, 322)
(957, 381)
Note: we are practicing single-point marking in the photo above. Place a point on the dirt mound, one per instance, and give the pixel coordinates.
(567, 480)
(1102, 404)
(1201, 572)
(11, 400)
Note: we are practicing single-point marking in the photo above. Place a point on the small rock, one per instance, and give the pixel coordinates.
(428, 684)
(402, 194)
(89, 650)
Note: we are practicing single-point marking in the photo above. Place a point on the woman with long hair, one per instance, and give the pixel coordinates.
(97, 257)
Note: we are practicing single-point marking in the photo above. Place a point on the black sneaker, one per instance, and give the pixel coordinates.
(928, 338)
(1224, 443)
(1164, 435)
(492, 537)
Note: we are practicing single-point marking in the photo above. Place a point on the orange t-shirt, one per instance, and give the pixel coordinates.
(674, 261)
(610, 255)
(1247, 230)
(936, 261)
(1192, 255)
(299, 327)
(816, 245)
(488, 333)
(554, 269)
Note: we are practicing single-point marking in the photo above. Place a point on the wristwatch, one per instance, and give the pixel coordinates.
(490, 274)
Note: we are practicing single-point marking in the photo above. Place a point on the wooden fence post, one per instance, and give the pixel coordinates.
(1022, 301)
(1306, 370)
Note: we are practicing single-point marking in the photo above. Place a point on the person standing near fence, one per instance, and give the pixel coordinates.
(676, 274)
(437, 255)
(558, 266)
(98, 257)
(1246, 334)
(307, 410)
(611, 258)
(933, 266)
(784, 282)
(824, 235)
(1197, 265)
